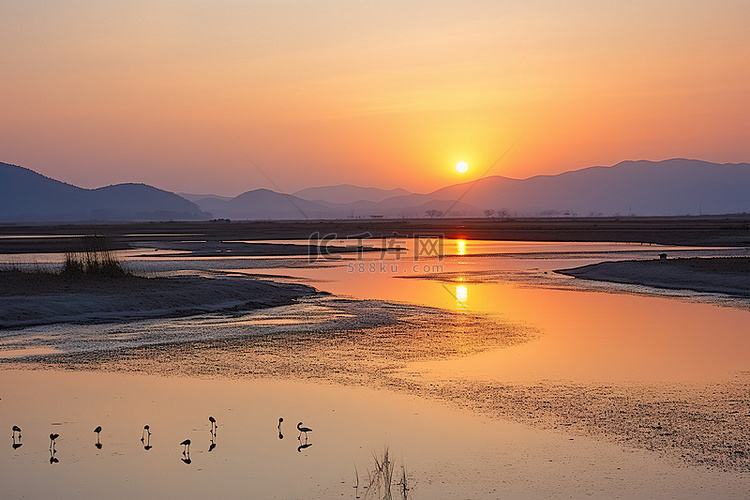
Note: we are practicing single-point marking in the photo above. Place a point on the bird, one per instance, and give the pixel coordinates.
(98, 429)
(213, 423)
(186, 444)
(146, 429)
(302, 429)
(16, 444)
(52, 438)
(281, 419)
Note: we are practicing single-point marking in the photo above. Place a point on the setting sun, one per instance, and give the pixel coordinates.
(462, 167)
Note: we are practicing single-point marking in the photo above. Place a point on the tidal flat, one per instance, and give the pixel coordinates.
(496, 379)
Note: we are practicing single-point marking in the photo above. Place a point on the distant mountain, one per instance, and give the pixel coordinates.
(266, 204)
(669, 187)
(195, 197)
(346, 193)
(28, 196)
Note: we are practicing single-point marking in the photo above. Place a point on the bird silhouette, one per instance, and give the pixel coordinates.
(146, 437)
(281, 419)
(186, 451)
(52, 438)
(16, 438)
(302, 429)
(98, 443)
(213, 424)
(16, 434)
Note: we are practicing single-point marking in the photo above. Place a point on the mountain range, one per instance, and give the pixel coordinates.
(669, 187)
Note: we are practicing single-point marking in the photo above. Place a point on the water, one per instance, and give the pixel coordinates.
(582, 345)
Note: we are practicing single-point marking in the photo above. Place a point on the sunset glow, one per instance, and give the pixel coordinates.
(188, 96)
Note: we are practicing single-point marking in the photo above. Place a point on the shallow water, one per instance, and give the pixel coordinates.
(577, 345)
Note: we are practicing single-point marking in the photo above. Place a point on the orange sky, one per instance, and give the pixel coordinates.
(190, 95)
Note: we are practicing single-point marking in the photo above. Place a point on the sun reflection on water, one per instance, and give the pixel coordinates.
(462, 294)
(461, 247)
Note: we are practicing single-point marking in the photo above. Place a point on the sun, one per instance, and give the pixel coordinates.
(462, 167)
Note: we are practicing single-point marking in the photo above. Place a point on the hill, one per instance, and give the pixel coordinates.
(26, 196)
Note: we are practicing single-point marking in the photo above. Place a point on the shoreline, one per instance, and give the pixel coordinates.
(35, 299)
(723, 275)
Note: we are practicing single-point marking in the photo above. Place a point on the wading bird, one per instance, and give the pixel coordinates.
(281, 419)
(186, 452)
(302, 429)
(16, 435)
(213, 424)
(52, 438)
(98, 429)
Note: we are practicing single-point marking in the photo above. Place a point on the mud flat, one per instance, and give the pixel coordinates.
(28, 299)
(729, 276)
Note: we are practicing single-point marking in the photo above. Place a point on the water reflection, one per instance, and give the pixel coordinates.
(52, 458)
(461, 247)
(462, 294)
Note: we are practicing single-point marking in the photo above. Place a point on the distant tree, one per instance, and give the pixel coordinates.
(432, 213)
(489, 213)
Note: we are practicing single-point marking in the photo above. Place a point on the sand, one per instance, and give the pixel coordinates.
(28, 299)
(729, 276)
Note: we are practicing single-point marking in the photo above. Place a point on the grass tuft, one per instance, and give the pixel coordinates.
(381, 484)
(94, 260)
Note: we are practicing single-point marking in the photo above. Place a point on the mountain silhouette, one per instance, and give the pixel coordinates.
(28, 196)
(347, 193)
(669, 187)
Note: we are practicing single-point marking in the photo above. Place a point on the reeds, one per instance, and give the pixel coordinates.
(381, 484)
(94, 260)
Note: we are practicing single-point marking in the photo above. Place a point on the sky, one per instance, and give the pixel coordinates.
(224, 96)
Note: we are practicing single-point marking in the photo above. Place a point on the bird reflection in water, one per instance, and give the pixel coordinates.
(278, 427)
(146, 437)
(186, 452)
(304, 445)
(98, 430)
